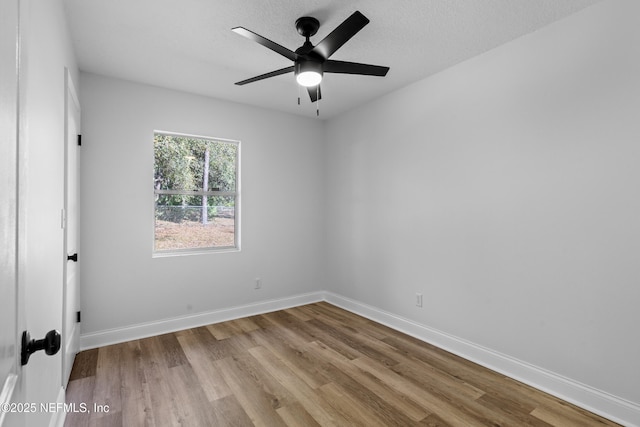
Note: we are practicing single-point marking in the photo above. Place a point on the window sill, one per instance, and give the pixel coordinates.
(186, 252)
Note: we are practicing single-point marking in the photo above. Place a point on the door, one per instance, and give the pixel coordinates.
(71, 289)
(11, 307)
(31, 199)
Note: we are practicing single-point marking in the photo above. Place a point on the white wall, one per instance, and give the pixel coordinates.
(505, 190)
(282, 209)
(47, 50)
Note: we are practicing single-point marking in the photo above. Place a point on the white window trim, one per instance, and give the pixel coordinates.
(237, 208)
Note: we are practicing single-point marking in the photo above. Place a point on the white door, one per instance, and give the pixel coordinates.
(11, 307)
(71, 291)
(31, 240)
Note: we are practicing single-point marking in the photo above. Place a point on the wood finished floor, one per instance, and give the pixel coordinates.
(315, 365)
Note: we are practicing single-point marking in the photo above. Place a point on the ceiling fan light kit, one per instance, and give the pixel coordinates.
(311, 62)
(308, 73)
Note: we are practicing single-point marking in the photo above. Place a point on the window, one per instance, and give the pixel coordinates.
(195, 184)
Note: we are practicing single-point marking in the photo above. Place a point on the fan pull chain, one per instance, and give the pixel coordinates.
(298, 94)
(318, 101)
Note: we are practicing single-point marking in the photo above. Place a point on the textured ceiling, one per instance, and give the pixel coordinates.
(188, 44)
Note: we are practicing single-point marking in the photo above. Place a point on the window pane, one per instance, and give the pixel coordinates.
(179, 222)
(222, 166)
(191, 164)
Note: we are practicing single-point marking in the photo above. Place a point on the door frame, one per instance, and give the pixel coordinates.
(70, 325)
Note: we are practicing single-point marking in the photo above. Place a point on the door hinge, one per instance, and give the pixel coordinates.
(77, 316)
(79, 140)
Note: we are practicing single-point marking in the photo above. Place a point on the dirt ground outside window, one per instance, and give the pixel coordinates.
(219, 232)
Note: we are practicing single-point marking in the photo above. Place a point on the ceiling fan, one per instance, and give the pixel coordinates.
(309, 61)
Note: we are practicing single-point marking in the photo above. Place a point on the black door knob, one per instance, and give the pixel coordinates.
(50, 344)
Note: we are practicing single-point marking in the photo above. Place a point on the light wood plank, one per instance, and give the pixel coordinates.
(204, 366)
(296, 415)
(229, 412)
(351, 409)
(312, 402)
(80, 391)
(425, 399)
(259, 405)
(85, 365)
(402, 403)
(189, 403)
(429, 377)
(107, 385)
(136, 396)
(295, 356)
(559, 414)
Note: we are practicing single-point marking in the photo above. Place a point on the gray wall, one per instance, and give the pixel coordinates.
(505, 190)
(282, 211)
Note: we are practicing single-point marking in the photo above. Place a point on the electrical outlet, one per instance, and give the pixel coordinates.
(258, 283)
(418, 300)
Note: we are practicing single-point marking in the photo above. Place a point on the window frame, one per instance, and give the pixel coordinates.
(159, 253)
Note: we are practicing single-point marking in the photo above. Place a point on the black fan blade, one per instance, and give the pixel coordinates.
(266, 43)
(344, 67)
(314, 93)
(341, 35)
(267, 75)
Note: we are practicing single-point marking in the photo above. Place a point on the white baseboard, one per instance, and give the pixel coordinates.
(149, 329)
(609, 406)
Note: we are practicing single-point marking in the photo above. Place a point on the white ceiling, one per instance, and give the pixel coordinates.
(188, 44)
